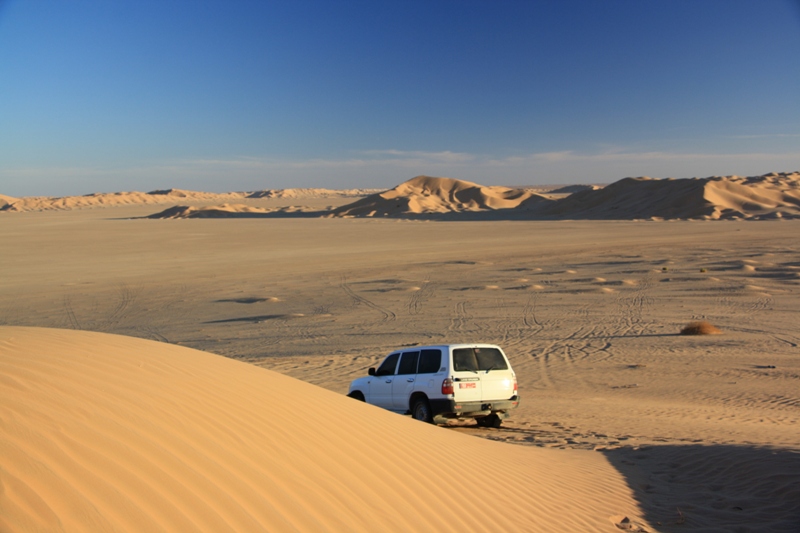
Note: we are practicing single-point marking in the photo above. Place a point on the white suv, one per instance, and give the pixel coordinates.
(435, 383)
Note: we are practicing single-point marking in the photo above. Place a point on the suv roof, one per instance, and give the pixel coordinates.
(444, 346)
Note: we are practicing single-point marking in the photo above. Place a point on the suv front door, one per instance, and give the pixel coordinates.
(380, 386)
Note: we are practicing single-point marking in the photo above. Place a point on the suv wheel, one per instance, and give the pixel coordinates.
(490, 421)
(421, 410)
(356, 395)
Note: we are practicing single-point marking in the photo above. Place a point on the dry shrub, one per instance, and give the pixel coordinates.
(700, 328)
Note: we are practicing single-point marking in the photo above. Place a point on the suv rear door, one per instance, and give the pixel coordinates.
(466, 379)
(497, 379)
(403, 383)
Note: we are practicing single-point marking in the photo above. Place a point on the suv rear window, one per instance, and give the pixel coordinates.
(473, 359)
(490, 359)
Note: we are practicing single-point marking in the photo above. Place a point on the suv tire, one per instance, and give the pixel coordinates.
(356, 395)
(421, 410)
(490, 421)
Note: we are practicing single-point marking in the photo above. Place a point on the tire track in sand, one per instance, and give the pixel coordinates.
(419, 297)
(386, 314)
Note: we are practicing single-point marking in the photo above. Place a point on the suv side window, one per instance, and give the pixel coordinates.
(408, 363)
(430, 361)
(388, 365)
(490, 359)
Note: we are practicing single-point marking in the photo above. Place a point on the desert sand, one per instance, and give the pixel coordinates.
(105, 433)
(621, 416)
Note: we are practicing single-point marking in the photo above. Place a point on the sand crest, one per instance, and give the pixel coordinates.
(108, 433)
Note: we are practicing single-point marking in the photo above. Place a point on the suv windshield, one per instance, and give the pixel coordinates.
(474, 359)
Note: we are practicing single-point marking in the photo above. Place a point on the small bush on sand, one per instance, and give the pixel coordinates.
(700, 328)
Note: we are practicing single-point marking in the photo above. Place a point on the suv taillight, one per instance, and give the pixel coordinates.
(447, 386)
(515, 386)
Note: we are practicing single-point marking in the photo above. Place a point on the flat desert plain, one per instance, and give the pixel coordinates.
(623, 425)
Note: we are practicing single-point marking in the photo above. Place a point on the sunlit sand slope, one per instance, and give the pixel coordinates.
(6, 200)
(110, 433)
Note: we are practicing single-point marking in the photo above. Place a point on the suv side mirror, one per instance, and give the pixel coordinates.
(371, 372)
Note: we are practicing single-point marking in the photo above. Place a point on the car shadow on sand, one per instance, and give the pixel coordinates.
(732, 488)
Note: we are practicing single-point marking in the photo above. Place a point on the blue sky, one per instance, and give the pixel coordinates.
(238, 95)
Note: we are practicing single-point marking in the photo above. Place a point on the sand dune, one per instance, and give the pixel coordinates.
(5, 200)
(47, 203)
(760, 197)
(310, 193)
(424, 195)
(110, 433)
(571, 189)
(222, 211)
(771, 196)
(768, 196)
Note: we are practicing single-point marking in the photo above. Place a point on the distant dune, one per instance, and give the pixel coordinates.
(771, 196)
(110, 433)
(570, 189)
(112, 199)
(224, 211)
(425, 194)
(309, 193)
(165, 196)
(760, 197)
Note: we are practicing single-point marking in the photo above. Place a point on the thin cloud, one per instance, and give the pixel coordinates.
(387, 168)
(766, 136)
(419, 155)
